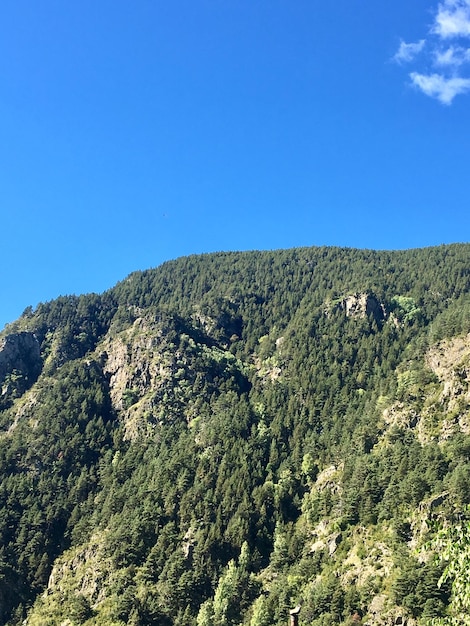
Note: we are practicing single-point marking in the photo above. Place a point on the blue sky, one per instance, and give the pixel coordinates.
(134, 133)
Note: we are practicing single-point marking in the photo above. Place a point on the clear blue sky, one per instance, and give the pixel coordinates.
(137, 132)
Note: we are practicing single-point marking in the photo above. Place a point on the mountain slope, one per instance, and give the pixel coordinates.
(226, 436)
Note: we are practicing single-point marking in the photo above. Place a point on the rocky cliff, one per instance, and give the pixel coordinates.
(20, 364)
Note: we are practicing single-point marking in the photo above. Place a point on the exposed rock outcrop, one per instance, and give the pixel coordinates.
(380, 614)
(140, 368)
(360, 305)
(20, 363)
(450, 361)
(153, 368)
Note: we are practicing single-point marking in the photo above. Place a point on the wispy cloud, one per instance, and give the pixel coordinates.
(454, 56)
(440, 73)
(408, 51)
(437, 86)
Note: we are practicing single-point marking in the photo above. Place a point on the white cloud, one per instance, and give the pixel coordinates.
(408, 51)
(453, 19)
(454, 56)
(440, 87)
(445, 49)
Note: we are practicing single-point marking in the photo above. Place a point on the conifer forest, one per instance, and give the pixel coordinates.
(228, 436)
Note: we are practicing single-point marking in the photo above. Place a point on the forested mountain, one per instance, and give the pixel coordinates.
(219, 439)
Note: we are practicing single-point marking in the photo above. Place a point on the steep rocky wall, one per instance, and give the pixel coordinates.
(360, 305)
(20, 362)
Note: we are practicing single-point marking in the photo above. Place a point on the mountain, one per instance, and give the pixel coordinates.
(229, 436)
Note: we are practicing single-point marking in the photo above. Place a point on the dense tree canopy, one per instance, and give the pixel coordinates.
(218, 439)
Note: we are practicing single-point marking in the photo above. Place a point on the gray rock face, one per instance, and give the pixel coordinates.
(359, 305)
(20, 362)
(362, 305)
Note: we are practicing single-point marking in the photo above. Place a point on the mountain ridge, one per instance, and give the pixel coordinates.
(193, 432)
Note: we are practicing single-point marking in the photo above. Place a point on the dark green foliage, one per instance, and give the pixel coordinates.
(48, 468)
(417, 589)
(454, 320)
(266, 379)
